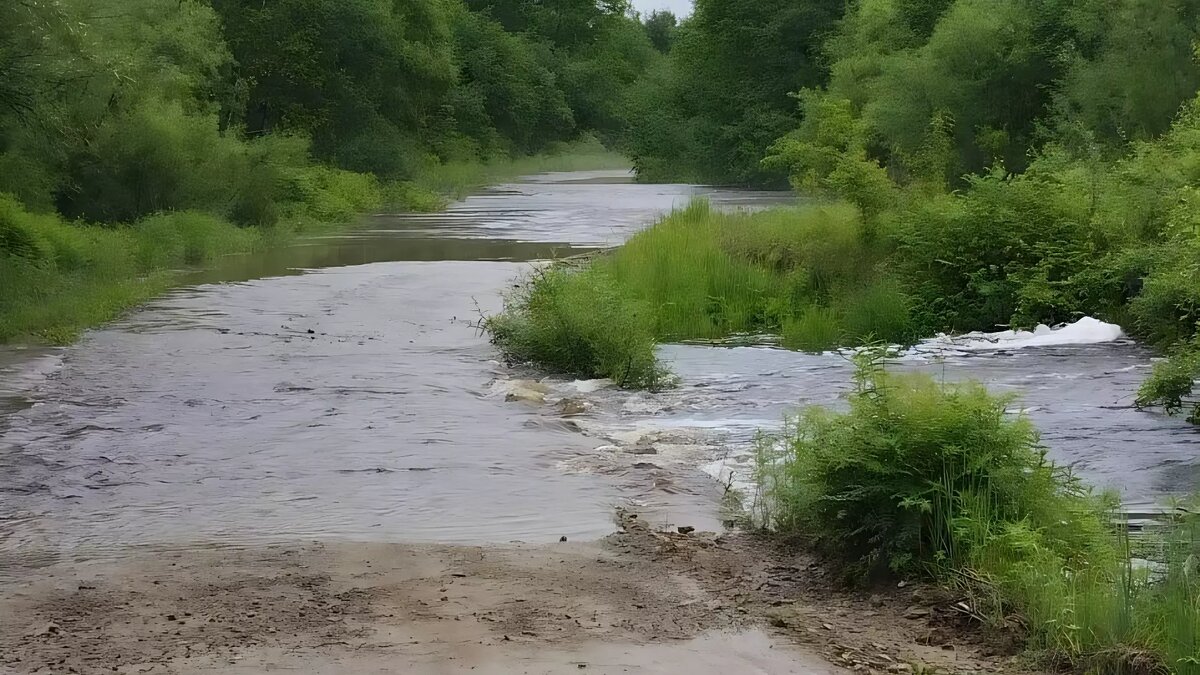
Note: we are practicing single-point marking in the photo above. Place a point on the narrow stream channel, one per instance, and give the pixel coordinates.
(338, 389)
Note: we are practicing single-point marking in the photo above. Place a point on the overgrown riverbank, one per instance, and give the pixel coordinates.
(921, 479)
(883, 261)
(58, 278)
(140, 137)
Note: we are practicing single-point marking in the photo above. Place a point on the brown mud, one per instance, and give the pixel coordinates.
(639, 601)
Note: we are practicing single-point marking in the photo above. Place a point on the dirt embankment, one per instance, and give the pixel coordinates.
(638, 601)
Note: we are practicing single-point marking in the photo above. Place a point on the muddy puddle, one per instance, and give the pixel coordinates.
(338, 388)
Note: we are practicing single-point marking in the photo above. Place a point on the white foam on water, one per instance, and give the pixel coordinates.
(1086, 331)
(735, 473)
(591, 386)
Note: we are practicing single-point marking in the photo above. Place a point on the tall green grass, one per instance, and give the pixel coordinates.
(939, 481)
(58, 278)
(808, 273)
(578, 323)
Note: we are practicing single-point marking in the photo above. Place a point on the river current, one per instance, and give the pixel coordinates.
(339, 388)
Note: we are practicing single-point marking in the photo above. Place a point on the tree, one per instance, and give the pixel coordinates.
(362, 77)
(733, 66)
(660, 27)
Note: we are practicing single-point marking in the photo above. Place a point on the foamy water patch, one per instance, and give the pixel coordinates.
(1086, 331)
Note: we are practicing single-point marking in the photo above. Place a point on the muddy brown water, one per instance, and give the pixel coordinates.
(339, 389)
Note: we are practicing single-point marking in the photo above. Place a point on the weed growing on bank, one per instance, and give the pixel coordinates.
(926, 479)
(578, 323)
(808, 273)
(59, 277)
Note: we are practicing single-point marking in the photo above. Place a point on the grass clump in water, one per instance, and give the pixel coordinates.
(923, 479)
(808, 273)
(578, 323)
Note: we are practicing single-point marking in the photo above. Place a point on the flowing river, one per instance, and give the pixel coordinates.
(340, 389)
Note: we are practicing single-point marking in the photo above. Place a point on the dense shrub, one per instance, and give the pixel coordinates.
(940, 481)
(578, 323)
(917, 475)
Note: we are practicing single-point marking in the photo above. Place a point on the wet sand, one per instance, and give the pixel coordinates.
(639, 601)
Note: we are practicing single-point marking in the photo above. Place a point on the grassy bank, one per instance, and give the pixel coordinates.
(58, 278)
(920, 479)
(1117, 239)
(811, 274)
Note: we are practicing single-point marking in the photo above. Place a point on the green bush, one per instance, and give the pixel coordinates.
(940, 481)
(1171, 383)
(968, 259)
(917, 477)
(578, 323)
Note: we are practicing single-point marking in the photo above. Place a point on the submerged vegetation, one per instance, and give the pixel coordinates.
(141, 136)
(935, 480)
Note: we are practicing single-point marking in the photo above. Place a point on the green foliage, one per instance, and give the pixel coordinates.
(58, 278)
(506, 94)
(916, 476)
(723, 98)
(828, 155)
(1123, 98)
(578, 323)
(360, 76)
(661, 27)
(1171, 383)
(939, 481)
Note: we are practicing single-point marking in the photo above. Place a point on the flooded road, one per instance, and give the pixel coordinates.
(339, 389)
(345, 393)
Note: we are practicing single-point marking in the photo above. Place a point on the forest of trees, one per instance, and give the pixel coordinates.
(112, 110)
(138, 136)
(1003, 78)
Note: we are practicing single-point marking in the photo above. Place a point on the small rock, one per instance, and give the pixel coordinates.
(171, 617)
(877, 600)
(572, 406)
(562, 539)
(686, 529)
(312, 332)
(916, 613)
(642, 449)
(525, 396)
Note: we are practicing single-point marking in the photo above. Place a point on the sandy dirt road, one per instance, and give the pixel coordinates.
(640, 601)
